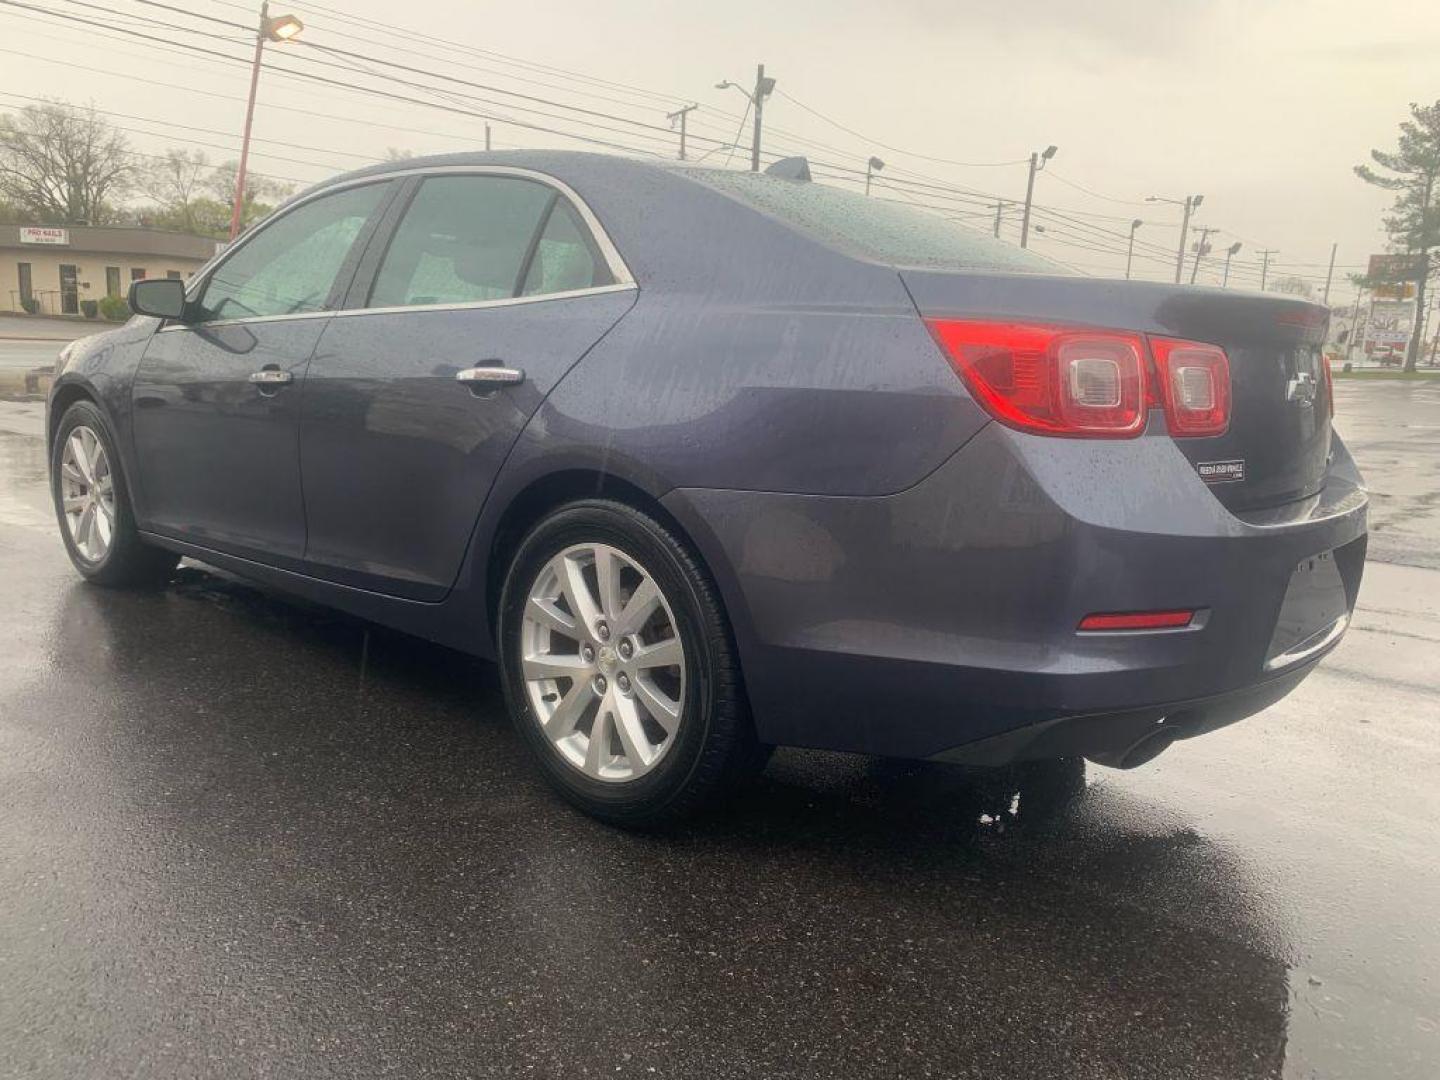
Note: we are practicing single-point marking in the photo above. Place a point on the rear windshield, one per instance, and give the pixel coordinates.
(873, 228)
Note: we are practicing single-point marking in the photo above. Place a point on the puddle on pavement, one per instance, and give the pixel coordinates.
(24, 491)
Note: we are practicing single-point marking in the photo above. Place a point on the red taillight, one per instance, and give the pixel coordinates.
(1194, 386)
(1054, 380)
(1049, 379)
(1138, 620)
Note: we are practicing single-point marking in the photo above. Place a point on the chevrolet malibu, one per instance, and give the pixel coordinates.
(711, 462)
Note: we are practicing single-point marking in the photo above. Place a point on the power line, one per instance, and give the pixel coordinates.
(348, 60)
(390, 32)
(335, 82)
(896, 149)
(648, 129)
(1094, 194)
(369, 158)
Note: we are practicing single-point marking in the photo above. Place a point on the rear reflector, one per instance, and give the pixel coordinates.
(1138, 620)
(1194, 386)
(1049, 379)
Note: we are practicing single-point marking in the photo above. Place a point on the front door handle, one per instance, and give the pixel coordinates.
(271, 377)
(502, 376)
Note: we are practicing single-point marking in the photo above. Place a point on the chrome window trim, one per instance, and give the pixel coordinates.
(608, 251)
(343, 313)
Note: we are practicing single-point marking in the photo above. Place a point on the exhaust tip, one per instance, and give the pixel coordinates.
(1148, 748)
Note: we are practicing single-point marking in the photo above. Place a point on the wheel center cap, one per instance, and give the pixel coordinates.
(607, 658)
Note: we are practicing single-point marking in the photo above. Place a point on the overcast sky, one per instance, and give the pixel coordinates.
(1263, 106)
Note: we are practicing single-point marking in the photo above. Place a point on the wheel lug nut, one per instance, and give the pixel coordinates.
(587, 653)
(602, 630)
(600, 684)
(626, 650)
(623, 682)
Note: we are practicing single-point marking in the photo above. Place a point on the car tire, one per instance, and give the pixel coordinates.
(93, 508)
(638, 773)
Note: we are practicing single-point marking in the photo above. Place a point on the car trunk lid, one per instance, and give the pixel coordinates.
(1278, 442)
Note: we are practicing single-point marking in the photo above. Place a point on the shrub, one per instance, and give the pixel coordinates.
(30, 304)
(115, 308)
(89, 308)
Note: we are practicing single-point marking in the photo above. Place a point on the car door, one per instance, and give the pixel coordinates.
(217, 395)
(469, 306)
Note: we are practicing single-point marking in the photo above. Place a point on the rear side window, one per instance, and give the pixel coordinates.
(565, 257)
(290, 265)
(873, 228)
(463, 239)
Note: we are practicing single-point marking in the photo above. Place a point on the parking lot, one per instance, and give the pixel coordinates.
(240, 836)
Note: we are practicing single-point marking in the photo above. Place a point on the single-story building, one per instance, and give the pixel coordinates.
(56, 267)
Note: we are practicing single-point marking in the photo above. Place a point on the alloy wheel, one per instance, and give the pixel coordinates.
(87, 493)
(602, 662)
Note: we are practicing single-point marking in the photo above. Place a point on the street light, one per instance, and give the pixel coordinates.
(281, 28)
(1229, 254)
(872, 166)
(763, 88)
(1191, 203)
(1037, 162)
(1130, 251)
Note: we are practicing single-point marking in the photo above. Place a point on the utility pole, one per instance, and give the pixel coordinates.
(1330, 272)
(280, 28)
(1201, 249)
(1265, 254)
(1191, 203)
(680, 114)
(872, 166)
(1129, 250)
(1037, 162)
(1414, 346)
(487, 136)
(999, 210)
(1229, 254)
(763, 86)
(1354, 325)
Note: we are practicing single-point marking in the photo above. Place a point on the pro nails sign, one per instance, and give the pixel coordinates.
(41, 235)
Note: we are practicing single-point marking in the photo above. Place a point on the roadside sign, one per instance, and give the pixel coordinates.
(40, 234)
(1395, 268)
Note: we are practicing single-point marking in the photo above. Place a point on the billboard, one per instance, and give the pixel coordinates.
(1394, 268)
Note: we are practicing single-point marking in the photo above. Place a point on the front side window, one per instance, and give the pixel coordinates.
(290, 266)
(463, 239)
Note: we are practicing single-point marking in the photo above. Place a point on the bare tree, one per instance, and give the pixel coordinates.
(1412, 171)
(62, 165)
(261, 192)
(176, 183)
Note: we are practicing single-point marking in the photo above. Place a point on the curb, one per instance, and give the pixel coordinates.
(33, 383)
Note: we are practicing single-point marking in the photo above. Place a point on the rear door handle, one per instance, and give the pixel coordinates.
(501, 376)
(271, 377)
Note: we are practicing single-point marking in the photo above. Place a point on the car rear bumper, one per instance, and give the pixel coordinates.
(941, 621)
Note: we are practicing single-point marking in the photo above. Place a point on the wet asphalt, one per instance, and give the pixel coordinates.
(243, 837)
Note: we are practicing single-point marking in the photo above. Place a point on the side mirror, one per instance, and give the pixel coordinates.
(163, 298)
